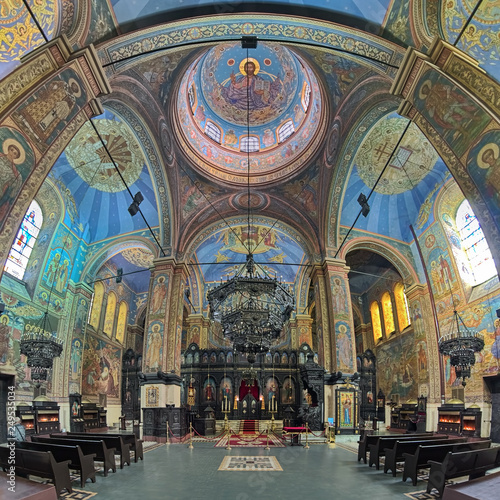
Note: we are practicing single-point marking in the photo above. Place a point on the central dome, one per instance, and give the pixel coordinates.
(265, 107)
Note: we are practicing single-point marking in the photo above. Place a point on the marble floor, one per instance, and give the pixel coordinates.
(323, 471)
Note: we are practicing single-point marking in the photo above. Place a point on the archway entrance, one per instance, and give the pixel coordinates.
(249, 407)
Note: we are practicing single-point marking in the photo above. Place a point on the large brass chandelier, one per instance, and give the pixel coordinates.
(251, 309)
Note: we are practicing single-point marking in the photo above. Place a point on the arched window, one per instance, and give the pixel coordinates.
(376, 323)
(109, 318)
(121, 325)
(474, 245)
(306, 96)
(285, 131)
(96, 306)
(249, 144)
(25, 240)
(213, 131)
(388, 314)
(401, 306)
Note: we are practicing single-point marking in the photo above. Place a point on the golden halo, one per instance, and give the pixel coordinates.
(490, 146)
(17, 144)
(250, 59)
(427, 83)
(4, 316)
(70, 82)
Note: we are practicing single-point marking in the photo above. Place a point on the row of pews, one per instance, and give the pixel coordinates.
(53, 457)
(446, 457)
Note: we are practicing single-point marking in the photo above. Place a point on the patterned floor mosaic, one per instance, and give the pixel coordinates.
(77, 495)
(243, 441)
(258, 464)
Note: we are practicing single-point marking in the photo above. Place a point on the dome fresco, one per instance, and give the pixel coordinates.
(280, 118)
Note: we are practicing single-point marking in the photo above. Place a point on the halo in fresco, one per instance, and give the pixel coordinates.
(271, 90)
(88, 157)
(140, 257)
(413, 160)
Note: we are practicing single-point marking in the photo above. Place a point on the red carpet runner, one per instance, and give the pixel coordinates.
(248, 426)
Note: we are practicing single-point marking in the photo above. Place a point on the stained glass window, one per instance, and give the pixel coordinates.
(213, 131)
(401, 306)
(249, 144)
(285, 131)
(388, 314)
(109, 318)
(474, 244)
(376, 323)
(25, 240)
(121, 325)
(96, 306)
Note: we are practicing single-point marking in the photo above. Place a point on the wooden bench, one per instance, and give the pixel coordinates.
(377, 450)
(26, 489)
(116, 442)
(395, 454)
(424, 453)
(40, 464)
(98, 448)
(367, 440)
(465, 463)
(78, 461)
(483, 488)
(128, 438)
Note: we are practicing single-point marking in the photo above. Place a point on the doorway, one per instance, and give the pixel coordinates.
(249, 408)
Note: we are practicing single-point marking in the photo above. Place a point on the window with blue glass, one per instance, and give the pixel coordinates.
(25, 240)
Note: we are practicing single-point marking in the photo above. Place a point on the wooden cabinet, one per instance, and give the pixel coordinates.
(90, 414)
(404, 417)
(27, 415)
(102, 416)
(46, 415)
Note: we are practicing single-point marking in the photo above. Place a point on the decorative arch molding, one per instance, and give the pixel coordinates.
(402, 265)
(214, 29)
(152, 152)
(95, 263)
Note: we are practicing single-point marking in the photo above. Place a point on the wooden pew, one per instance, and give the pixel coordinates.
(39, 463)
(395, 454)
(78, 461)
(482, 488)
(130, 438)
(473, 463)
(98, 448)
(26, 489)
(377, 449)
(367, 440)
(116, 442)
(420, 459)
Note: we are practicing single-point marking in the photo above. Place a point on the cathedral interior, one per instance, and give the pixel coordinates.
(351, 149)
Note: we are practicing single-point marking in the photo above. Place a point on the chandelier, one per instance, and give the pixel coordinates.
(40, 346)
(461, 346)
(251, 309)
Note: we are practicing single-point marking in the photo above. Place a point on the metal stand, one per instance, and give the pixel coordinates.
(226, 421)
(307, 436)
(190, 436)
(267, 440)
(273, 425)
(168, 442)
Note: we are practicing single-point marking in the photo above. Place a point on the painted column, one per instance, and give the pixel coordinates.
(43, 103)
(457, 106)
(162, 341)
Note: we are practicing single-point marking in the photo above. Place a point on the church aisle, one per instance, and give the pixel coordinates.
(323, 471)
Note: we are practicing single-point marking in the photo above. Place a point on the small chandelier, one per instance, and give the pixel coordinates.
(251, 309)
(461, 347)
(40, 346)
(249, 375)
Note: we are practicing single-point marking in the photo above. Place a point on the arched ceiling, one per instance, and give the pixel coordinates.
(339, 142)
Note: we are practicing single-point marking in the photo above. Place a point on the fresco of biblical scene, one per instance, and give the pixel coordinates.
(75, 362)
(454, 116)
(101, 368)
(397, 371)
(159, 296)
(483, 164)
(45, 114)
(345, 353)
(57, 271)
(154, 347)
(17, 160)
(346, 408)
